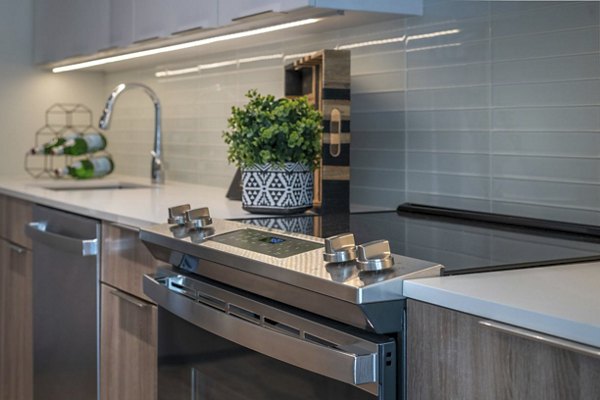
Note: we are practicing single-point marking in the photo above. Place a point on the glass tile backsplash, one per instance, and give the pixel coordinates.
(492, 106)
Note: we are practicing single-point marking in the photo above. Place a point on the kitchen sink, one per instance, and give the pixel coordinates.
(110, 185)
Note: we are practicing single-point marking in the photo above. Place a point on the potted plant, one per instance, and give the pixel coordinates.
(277, 144)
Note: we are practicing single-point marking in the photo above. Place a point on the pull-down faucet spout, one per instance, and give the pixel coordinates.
(157, 168)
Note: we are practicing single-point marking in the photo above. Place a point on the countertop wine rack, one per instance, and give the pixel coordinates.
(61, 119)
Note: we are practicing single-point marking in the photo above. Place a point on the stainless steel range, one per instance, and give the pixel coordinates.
(247, 312)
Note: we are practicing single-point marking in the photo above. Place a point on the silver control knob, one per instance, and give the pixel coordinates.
(374, 256)
(177, 214)
(198, 218)
(340, 248)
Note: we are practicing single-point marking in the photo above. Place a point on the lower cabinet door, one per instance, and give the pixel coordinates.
(16, 343)
(128, 357)
(451, 355)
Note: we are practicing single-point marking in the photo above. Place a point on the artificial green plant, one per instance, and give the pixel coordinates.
(274, 131)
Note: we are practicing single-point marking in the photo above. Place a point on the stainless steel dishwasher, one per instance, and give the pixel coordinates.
(65, 304)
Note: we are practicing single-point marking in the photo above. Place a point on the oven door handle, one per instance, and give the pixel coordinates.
(354, 369)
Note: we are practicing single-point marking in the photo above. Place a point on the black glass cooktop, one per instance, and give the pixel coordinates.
(462, 245)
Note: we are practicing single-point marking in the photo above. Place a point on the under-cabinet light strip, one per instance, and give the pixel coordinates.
(181, 46)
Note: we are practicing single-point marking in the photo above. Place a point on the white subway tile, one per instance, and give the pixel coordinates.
(551, 44)
(559, 94)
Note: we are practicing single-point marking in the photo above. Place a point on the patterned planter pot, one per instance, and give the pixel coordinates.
(270, 189)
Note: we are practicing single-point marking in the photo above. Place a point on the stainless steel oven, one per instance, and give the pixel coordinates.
(250, 313)
(220, 344)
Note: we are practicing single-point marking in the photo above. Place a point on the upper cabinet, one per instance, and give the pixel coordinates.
(81, 29)
(236, 10)
(159, 18)
(69, 28)
(135, 21)
(121, 23)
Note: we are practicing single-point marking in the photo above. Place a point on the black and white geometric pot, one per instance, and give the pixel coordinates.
(270, 189)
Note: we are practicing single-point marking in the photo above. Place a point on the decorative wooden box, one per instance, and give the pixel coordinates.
(324, 77)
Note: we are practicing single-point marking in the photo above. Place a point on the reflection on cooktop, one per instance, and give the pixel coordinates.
(459, 245)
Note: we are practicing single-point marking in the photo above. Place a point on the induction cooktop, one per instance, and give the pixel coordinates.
(461, 242)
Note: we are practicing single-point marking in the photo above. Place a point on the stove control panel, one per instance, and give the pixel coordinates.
(177, 214)
(198, 218)
(374, 256)
(340, 248)
(266, 243)
(184, 216)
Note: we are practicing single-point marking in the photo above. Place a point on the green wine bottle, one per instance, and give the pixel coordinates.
(87, 143)
(46, 148)
(87, 168)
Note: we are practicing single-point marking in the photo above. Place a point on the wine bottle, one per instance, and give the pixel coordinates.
(87, 168)
(46, 148)
(87, 143)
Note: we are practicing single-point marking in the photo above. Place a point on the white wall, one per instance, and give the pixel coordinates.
(27, 91)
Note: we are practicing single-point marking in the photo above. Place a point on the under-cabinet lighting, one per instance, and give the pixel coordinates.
(182, 46)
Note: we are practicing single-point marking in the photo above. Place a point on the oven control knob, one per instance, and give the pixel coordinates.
(198, 218)
(340, 248)
(177, 214)
(374, 256)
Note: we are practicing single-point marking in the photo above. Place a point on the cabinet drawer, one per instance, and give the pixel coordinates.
(14, 214)
(125, 259)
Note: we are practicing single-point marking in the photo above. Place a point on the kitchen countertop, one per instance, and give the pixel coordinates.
(135, 206)
(562, 300)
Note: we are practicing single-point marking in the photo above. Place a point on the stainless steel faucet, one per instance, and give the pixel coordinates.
(157, 168)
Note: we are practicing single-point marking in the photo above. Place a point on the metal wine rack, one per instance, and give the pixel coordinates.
(61, 119)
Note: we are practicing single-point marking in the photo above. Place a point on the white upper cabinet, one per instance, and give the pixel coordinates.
(68, 28)
(121, 23)
(384, 6)
(161, 18)
(71, 28)
(236, 10)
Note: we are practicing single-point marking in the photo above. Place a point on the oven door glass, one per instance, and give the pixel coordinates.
(215, 343)
(195, 364)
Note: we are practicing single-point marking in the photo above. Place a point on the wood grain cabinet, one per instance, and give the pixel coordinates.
(128, 325)
(16, 343)
(451, 355)
(128, 335)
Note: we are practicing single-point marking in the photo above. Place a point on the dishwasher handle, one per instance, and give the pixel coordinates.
(83, 247)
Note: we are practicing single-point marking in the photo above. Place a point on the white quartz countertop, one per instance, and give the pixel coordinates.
(136, 207)
(562, 300)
